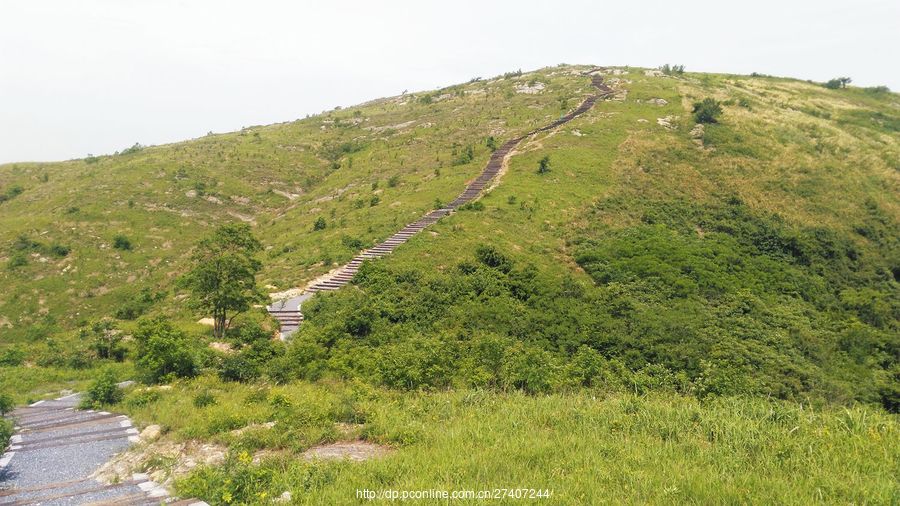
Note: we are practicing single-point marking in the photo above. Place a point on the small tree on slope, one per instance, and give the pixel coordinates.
(223, 280)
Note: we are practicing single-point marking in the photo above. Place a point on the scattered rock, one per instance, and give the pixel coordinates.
(658, 101)
(221, 347)
(252, 426)
(212, 199)
(242, 217)
(642, 120)
(697, 131)
(667, 122)
(190, 194)
(284, 497)
(162, 460)
(697, 134)
(653, 73)
(240, 200)
(287, 195)
(534, 89)
(577, 133)
(206, 321)
(151, 433)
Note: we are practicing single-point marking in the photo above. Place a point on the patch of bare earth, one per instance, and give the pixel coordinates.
(355, 451)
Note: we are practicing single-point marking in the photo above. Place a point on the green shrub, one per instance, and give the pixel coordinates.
(137, 305)
(492, 257)
(16, 260)
(707, 111)
(142, 398)
(544, 165)
(6, 405)
(204, 399)
(6, 431)
(237, 367)
(837, 82)
(671, 70)
(353, 243)
(12, 357)
(136, 148)
(467, 155)
(120, 242)
(320, 224)
(529, 368)
(393, 181)
(103, 391)
(163, 352)
(71, 353)
(59, 250)
(105, 339)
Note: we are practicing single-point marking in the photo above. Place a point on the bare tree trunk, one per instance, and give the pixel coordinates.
(219, 323)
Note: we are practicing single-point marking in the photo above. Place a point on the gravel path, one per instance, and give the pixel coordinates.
(57, 447)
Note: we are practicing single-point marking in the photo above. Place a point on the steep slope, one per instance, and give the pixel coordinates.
(288, 311)
(366, 171)
(641, 303)
(763, 247)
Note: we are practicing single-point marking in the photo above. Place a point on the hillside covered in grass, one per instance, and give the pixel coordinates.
(716, 290)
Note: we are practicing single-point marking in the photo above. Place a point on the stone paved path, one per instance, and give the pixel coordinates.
(55, 450)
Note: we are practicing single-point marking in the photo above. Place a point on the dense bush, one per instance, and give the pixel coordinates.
(120, 242)
(544, 165)
(11, 193)
(69, 353)
(707, 110)
(837, 82)
(12, 357)
(105, 339)
(137, 305)
(6, 431)
(6, 405)
(163, 352)
(255, 351)
(671, 70)
(103, 391)
(751, 306)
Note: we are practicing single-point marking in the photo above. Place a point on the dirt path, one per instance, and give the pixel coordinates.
(287, 311)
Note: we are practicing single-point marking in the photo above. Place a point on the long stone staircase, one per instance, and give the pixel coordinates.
(288, 312)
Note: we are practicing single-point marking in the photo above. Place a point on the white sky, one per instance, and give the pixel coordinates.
(96, 76)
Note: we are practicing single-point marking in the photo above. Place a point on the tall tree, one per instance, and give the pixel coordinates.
(223, 279)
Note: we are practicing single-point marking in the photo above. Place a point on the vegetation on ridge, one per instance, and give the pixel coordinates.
(720, 298)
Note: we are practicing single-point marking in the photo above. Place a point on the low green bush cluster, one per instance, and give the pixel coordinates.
(750, 306)
(6, 432)
(103, 391)
(164, 352)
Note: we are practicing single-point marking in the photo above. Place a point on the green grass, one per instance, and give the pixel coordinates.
(165, 198)
(759, 259)
(588, 447)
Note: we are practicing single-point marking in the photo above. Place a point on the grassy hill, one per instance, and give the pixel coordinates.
(676, 265)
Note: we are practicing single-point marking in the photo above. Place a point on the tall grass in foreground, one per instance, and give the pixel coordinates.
(586, 447)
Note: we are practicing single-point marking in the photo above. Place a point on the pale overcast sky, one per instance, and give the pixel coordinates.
(96, 76)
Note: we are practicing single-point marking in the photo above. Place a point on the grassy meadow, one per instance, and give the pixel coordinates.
(588, 447)
(673, 313)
